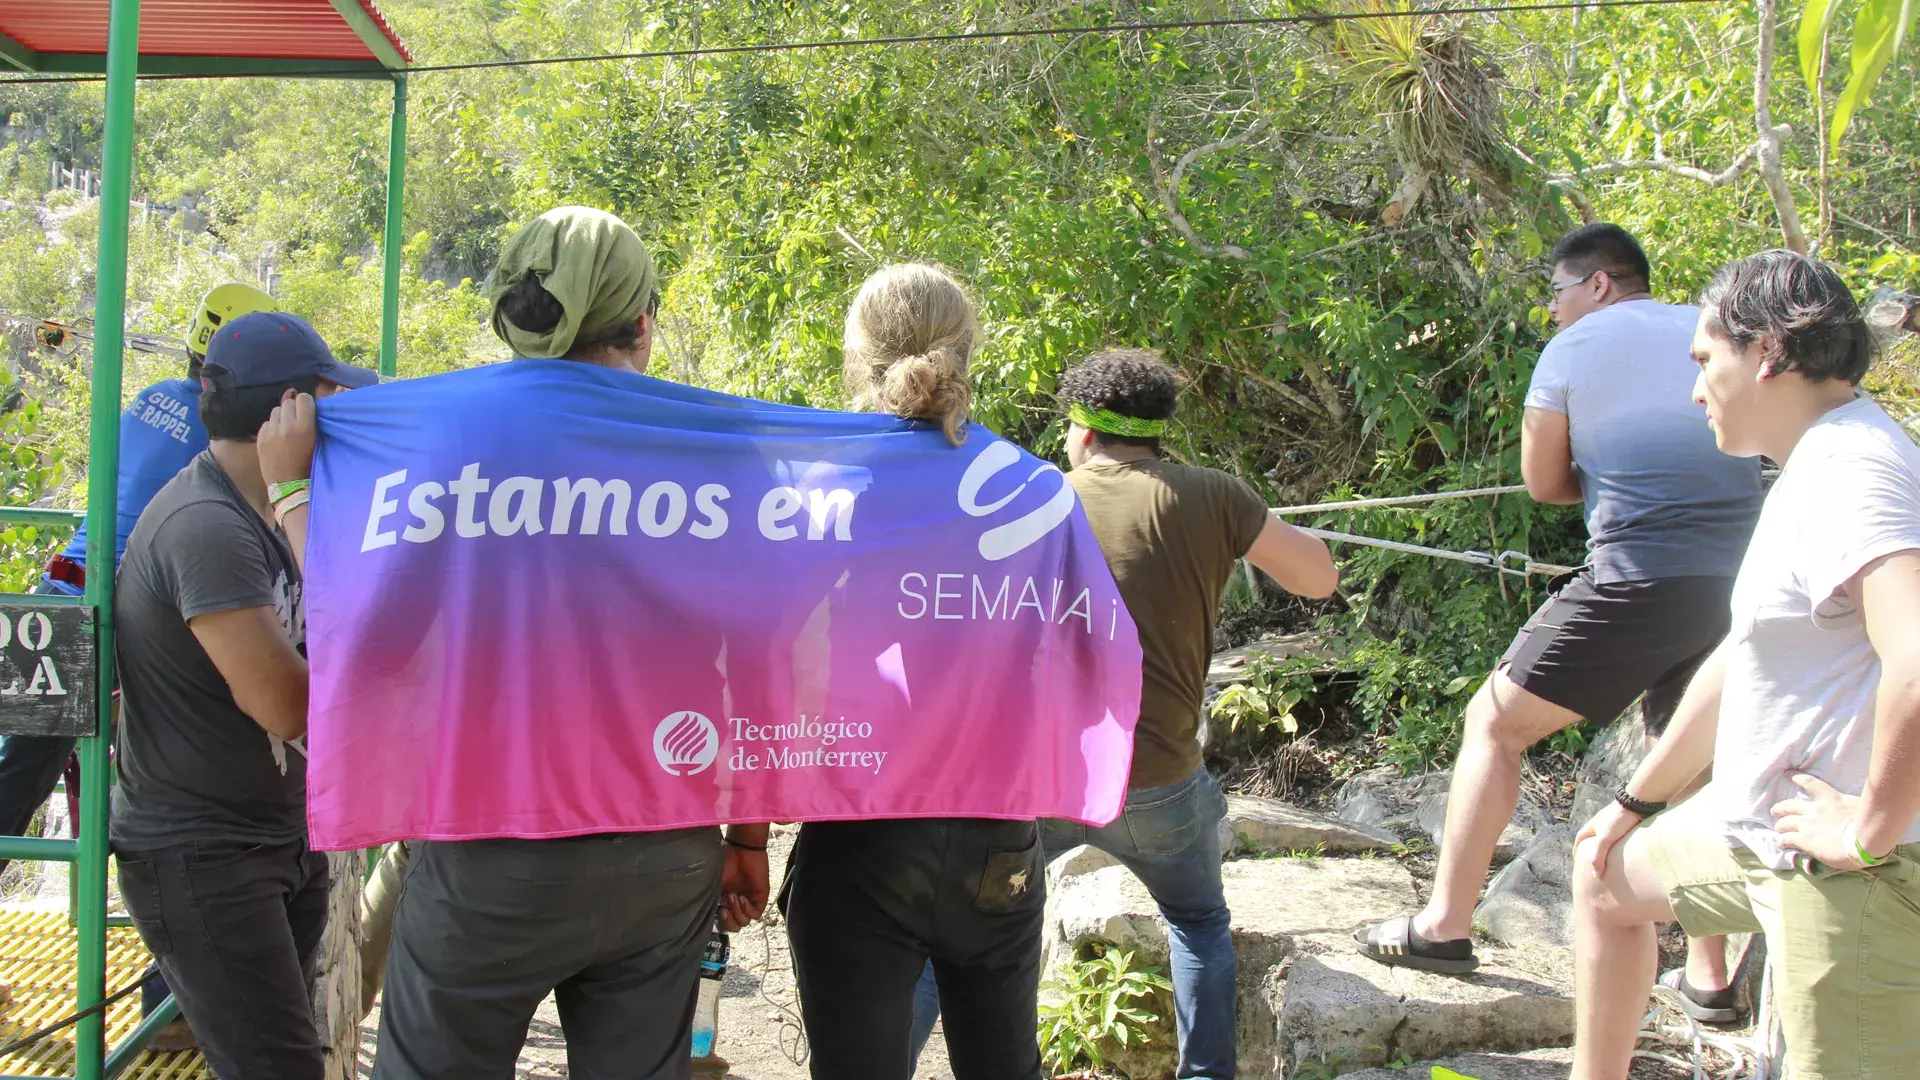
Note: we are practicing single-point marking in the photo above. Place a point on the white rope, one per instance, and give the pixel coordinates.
(1396, 500)
(1517, 563)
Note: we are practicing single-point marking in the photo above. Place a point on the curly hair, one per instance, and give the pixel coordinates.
(1798, 308)
(1131, 382)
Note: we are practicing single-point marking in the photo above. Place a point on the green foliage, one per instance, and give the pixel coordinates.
(1101, 1000)
(26, 473)
(1263, 698)
(1879, 29)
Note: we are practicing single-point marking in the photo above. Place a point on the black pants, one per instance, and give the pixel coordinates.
(612, 925)
(236, 928)
(869, 902)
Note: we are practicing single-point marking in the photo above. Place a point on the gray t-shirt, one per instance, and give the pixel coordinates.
(1661, 499)
(192, 765)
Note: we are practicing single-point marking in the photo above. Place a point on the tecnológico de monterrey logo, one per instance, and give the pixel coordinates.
(686, 743)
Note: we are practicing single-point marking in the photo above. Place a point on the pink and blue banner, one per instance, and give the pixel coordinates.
(546, 599)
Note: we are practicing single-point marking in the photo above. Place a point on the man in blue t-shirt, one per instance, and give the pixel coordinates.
(1610, 423)
(160, 433)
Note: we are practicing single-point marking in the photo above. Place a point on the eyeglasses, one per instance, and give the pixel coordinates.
(1559, 287)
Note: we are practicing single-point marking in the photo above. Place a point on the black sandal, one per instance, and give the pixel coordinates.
(1706, 1006)
(1396, 944)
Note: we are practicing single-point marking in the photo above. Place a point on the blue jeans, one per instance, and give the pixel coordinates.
(1169, 837)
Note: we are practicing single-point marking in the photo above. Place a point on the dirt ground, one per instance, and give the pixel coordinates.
(759, 1018)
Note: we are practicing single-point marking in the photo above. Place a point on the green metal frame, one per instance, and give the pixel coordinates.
(123, 65)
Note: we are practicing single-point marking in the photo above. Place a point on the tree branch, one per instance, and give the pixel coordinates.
(1569, 185)
(1771, 172)
(1305, 403)
(1661, 163)
(1168, 188)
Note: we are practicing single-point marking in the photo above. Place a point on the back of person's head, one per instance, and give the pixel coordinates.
(1121, 395)
(1604, 246)
(909, 340)
(253, 360)
(1798, 309)
(573, 280)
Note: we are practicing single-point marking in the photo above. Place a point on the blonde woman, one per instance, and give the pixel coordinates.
(869, 903)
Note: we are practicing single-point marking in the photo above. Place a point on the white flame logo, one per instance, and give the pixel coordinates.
(686, 743)
(1023, 532)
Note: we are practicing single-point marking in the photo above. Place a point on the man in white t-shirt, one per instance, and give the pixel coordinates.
(1809, 713)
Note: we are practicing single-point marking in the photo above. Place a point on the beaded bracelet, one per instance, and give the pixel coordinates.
(289, 503)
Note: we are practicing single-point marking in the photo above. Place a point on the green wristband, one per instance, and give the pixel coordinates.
(1859, 849)
(279, 491)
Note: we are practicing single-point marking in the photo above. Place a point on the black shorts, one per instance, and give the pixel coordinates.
(1593, 648)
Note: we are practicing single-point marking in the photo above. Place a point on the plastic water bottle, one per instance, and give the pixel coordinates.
(706, 1013)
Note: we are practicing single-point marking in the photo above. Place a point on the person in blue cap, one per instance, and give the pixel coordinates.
(209, 816)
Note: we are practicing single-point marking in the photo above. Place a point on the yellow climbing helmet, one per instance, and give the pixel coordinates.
(221, 306)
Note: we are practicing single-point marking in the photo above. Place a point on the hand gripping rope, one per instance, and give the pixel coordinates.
(1517, 563)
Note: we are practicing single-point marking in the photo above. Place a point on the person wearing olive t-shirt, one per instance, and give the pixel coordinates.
(1171, 535)
(209, 815)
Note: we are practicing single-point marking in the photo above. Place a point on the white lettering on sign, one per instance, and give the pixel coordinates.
(758, 747)
(587, 506)
(32, 631)
(991, 600)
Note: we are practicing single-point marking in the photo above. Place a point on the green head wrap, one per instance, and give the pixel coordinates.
(1112, 423)
(591, 262)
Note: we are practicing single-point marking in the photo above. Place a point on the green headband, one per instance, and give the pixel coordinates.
(1112, 423)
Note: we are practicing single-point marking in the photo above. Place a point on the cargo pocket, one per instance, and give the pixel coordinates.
(140, 891)
(1012, 880)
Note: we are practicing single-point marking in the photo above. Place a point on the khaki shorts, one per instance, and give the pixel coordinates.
(1845, 945)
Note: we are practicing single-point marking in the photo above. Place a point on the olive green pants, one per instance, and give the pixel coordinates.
(1845, 945)
(377, 907)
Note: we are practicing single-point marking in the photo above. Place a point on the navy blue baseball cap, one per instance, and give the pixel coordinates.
(273, 348)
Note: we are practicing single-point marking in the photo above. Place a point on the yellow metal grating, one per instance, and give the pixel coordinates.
(38, 951)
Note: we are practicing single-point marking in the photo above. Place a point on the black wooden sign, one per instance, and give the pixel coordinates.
(47, 668)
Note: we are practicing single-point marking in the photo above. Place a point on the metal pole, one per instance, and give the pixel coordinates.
(396, 203)
(103, 471)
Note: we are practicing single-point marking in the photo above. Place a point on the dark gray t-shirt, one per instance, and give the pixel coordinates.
(1661, 499)
(192, 765)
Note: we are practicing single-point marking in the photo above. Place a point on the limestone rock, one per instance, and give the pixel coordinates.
(1271, 827)
(1610, 760)
(336, 977)
(1343, 1009)
(1364, 808)
(1278, 905)
(1531, 900)
(1382, 798)
(1533, 1065)
(1075, 862)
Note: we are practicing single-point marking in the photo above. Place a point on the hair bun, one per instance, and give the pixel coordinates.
(909, 340)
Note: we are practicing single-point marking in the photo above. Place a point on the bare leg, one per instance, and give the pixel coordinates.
(1503, 719)
(1615, 955)
(1707, 963)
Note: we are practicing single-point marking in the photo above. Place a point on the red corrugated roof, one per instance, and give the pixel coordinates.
(263, 29)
